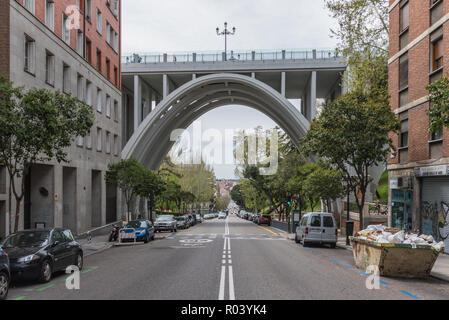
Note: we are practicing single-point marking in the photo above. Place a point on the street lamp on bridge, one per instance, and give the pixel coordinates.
(226, 33)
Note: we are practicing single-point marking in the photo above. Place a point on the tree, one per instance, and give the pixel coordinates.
(439, 104)
(127, 175)
(237, 196)
(149, 185)
(323, 184)
(223, 203)
(37, 126)
(352, 134)
(363, 34)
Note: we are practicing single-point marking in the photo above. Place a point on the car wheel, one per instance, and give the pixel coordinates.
(46, 272)
(176, 230)
(79, 261)
(333, 245)
(304, 243)
(4, 285)
(152, 237)
(296, 238)
(146, 238)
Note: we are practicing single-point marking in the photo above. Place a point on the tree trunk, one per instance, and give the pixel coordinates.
(16, 222)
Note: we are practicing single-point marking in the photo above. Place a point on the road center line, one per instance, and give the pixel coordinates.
(231, 284)
(222, 283)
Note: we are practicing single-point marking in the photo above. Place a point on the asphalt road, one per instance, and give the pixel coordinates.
(226, 260)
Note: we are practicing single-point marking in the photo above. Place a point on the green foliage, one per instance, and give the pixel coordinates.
(439, 104)
(237, 196)
(37, 126)
(222, 203)
(363, 34)
(127, 175)
(352, 134)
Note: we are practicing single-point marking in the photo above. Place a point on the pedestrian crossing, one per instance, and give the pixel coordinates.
(238, 236)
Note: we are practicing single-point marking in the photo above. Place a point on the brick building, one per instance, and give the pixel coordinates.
(72, 46)
(419, 171)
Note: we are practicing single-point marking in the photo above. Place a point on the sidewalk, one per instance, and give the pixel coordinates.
(95, 245)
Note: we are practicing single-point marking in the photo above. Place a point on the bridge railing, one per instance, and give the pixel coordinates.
(231, 57)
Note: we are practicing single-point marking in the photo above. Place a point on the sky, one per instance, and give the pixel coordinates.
(180, 25)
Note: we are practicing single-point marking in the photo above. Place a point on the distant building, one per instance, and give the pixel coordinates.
(72, 46)
(224, 186)
(419, 172)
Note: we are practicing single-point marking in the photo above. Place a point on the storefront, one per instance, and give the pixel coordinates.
(401, 209)
(434, 206)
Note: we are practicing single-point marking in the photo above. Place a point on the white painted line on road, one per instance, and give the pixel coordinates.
(222, 283)
(231, 284)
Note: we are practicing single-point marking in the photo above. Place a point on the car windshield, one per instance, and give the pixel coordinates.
(136, 224)
(27, 239)
(165, 218)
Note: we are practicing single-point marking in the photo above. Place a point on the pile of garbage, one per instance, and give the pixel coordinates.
(383, 234)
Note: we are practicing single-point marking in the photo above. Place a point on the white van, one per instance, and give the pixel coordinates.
(317, 227)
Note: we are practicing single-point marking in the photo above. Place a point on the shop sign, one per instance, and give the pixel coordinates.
(432, 171)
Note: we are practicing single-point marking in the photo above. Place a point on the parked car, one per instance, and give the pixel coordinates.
(165, 223)
(256, 218)
(37, 254)
(209, 216)
(216, 214)
(222, 215)
(264, 219)
(143, 228)
(182, 222)
(5, 276)
(317, 227)
(198, 218)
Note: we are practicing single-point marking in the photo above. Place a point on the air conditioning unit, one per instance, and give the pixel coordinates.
(405, 182)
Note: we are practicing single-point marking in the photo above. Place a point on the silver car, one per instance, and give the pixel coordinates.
(317, 227)
(166, 223)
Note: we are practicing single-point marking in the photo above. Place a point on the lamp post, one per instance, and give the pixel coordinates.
(226, 33)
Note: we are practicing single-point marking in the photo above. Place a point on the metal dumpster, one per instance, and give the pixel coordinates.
(394, 260)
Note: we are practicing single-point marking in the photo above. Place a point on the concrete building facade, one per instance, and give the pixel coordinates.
(419, 171)
(51, 44)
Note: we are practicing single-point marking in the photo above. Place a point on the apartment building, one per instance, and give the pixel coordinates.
(419, 170)
(72, 46)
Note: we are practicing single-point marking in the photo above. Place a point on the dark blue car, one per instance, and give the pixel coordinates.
(4, 275)
(143, 228)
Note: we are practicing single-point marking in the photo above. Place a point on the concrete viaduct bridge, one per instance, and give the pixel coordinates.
(165, 92)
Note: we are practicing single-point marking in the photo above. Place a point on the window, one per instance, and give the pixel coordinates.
(116, 76)
(89, 140)
(438, 135)
(328, 222)
(29, 5)
(437, 54)
(99, 139)
(80, 87)
(89, 93)
(108, 32)
(108, 142)
(403, 141)
(80, 42)
(316, 221)
(30, 54)
(113, 5)
(436, 11)
(80, 141)
(116, 151)
(66, 79)
(108, 69)
(98, 60)
(115, 110)
(88, 51)
(403, 80)
(65, 29)
(99, 22)
(89, 10)
(50, 14)
(108, 106)
(50, 68)
(99, 100)
(404, 16)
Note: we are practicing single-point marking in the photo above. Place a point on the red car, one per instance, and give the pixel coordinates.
(265, 219)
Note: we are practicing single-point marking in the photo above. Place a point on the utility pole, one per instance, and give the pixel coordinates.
(226, 33)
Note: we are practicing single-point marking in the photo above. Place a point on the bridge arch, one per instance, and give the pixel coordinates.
(151, 141)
